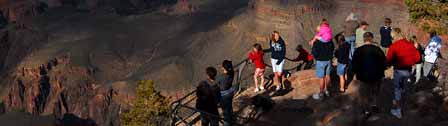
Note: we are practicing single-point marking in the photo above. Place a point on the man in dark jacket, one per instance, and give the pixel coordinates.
(369, 64)
(208, 95)
(386, 38)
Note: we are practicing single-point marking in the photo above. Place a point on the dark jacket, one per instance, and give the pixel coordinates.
(278, 49)
(421, 51)
(208, 96)
(225, 81)
(323, 51)
(343, 52)
(386, 38)
(369, 63)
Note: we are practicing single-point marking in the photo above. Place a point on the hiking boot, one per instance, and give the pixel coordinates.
(396, 113)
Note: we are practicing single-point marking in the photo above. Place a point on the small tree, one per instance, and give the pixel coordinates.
(150, 108)
(430, 15)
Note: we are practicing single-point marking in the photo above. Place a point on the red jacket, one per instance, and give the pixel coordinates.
(402, 54)
(257, 58)
(303, 56)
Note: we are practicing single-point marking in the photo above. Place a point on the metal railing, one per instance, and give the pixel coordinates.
(183, 111)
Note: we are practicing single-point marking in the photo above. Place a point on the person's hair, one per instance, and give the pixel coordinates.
(211, 72)
(364, 23)
(258, 47)
(388, 20)
(228, 66)
(397, 34)
(324, 20)
(299, 47)
(340, 39)
(273, 36)
(368, 36)
(413, 38)
(432, 34)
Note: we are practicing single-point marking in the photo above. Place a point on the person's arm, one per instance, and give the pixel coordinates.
(355, 61)
(250, 56)
(282, 54)
(416, 55)
(390, 55)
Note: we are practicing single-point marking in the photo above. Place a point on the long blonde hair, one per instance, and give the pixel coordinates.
(397, 34)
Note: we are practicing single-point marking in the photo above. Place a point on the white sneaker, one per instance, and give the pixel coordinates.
(262, 88)
(277, 89)
(256, 90)
(327, 93)
(396, 113)
(316, 96)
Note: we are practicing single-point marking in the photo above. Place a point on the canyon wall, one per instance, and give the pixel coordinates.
(84, 57)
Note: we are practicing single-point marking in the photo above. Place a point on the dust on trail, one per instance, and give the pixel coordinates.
(296, 107)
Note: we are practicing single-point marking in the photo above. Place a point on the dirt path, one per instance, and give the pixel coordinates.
(296, 107)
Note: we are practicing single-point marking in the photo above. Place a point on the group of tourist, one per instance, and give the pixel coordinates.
(356, 54)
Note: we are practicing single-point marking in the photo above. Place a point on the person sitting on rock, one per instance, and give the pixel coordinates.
(305, 57)
(369, 64)
(256, 56)
(208, 95)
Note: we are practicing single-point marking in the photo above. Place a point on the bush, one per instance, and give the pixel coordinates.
(150, 108)
(430, 15)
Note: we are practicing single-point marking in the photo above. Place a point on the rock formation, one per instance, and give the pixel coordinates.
(83, 57)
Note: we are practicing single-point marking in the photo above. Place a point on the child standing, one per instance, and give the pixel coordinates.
(256, 56)
(342, 54)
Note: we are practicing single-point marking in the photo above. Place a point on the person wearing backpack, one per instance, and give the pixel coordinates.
(208, 96)
(369, 64)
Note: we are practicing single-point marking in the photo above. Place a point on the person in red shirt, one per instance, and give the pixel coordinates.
(305, 57)
(402, 55)
(256, 56)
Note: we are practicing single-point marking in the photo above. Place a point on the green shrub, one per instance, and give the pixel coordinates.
(430, 15)
(150, 108)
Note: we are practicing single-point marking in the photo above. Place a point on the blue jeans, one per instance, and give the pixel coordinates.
(322, 68)
(227, 109)
(400, 78)
(341, 69)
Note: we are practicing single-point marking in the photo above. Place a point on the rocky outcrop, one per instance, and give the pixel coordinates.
(59, 88)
